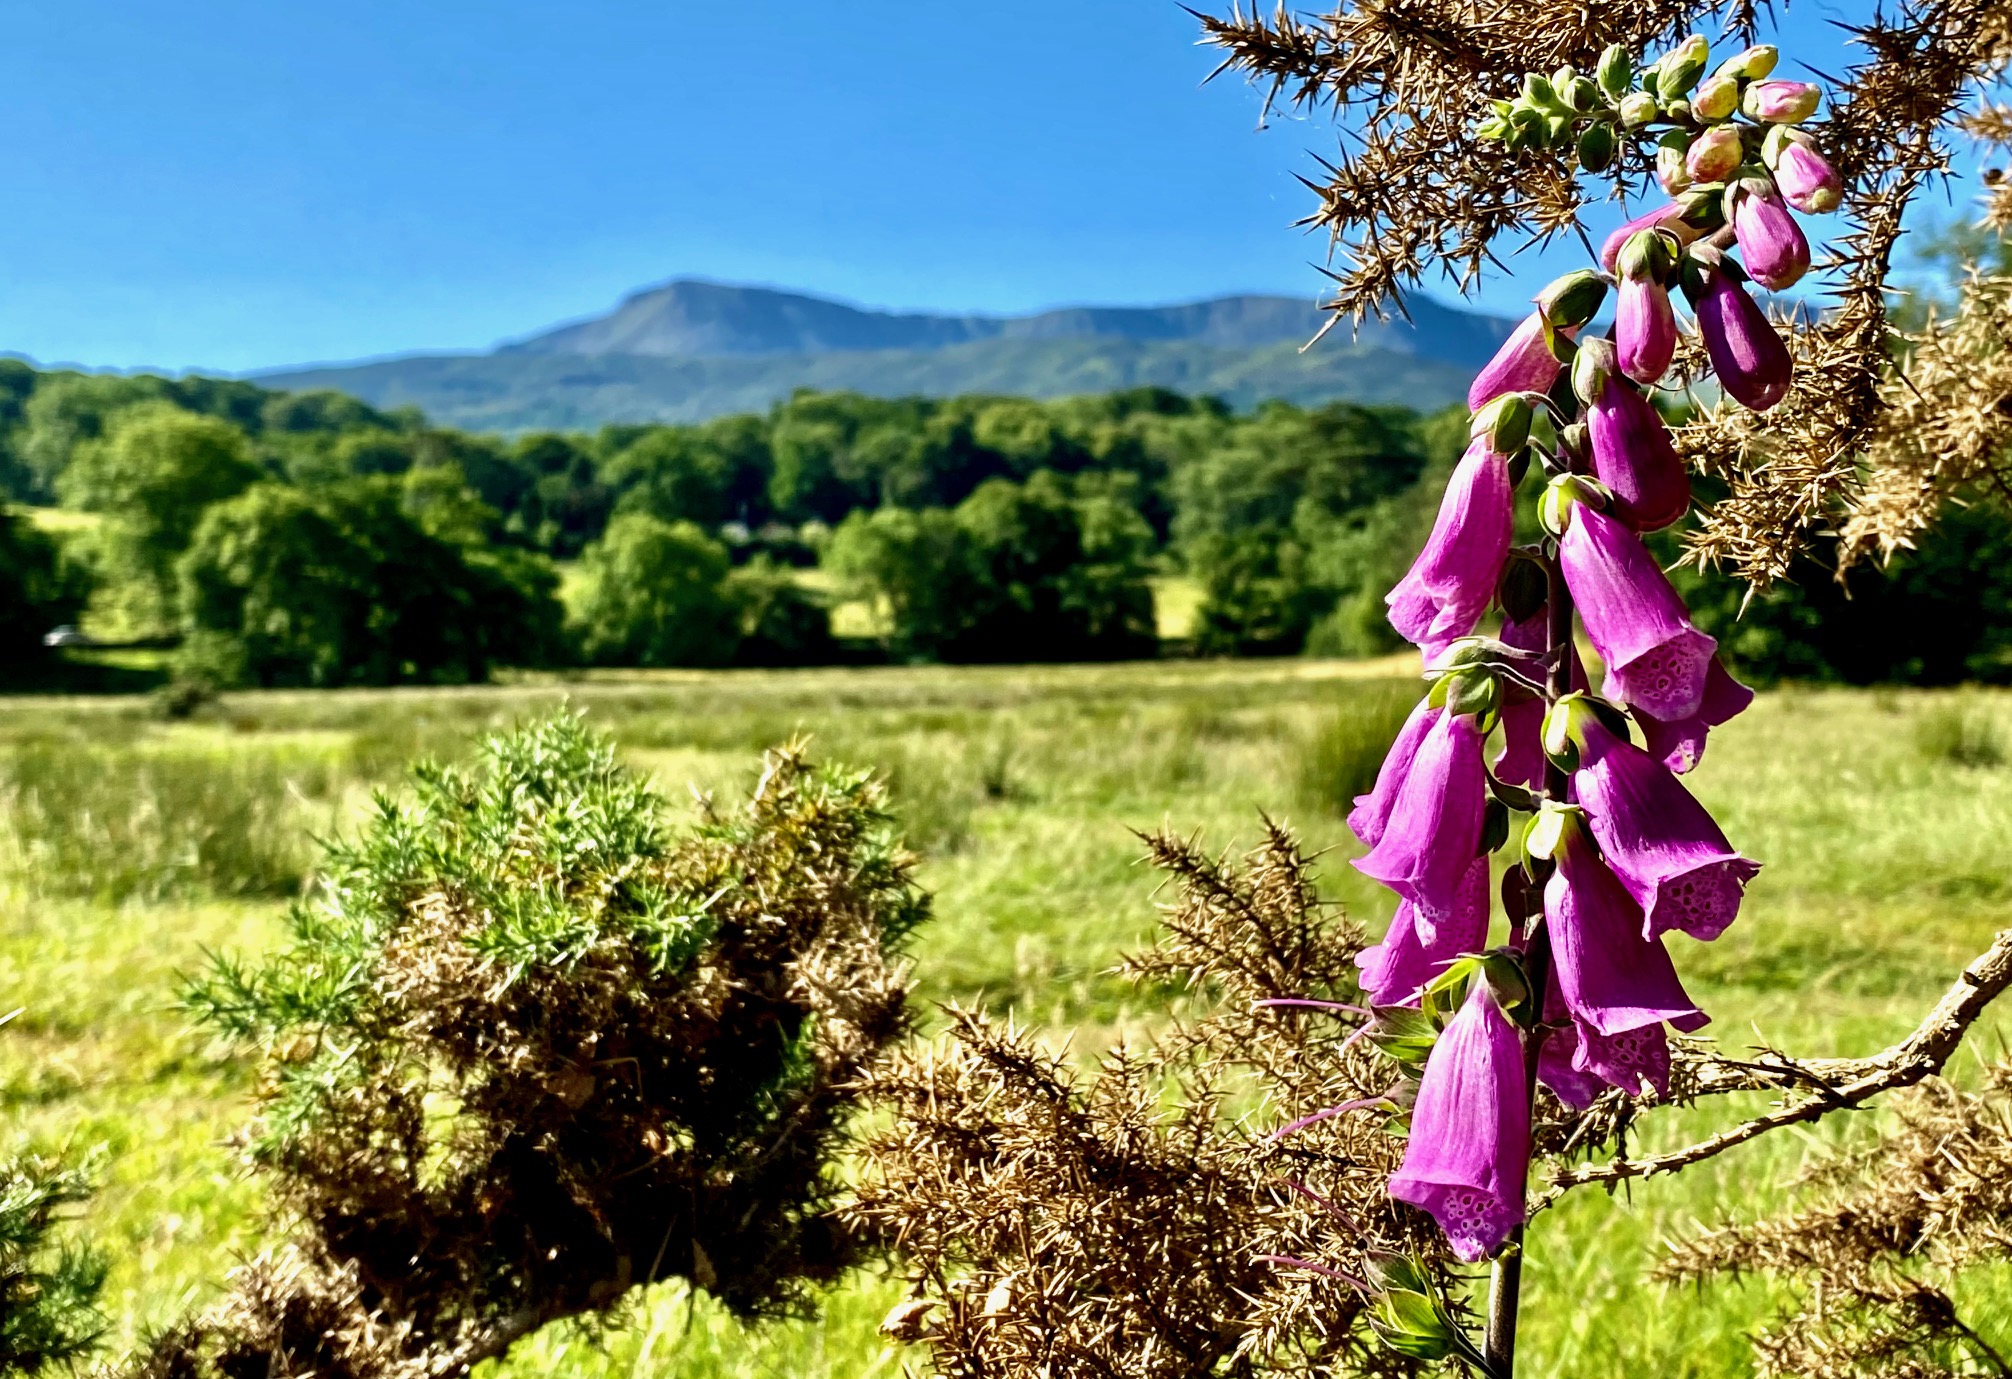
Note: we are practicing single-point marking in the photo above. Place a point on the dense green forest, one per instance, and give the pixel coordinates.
(308, 539)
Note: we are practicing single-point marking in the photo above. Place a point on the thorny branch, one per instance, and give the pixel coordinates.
(1413, 189)
(1839, 1083)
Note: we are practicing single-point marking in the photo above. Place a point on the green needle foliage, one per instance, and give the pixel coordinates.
(530, 1049)
(48, 1290)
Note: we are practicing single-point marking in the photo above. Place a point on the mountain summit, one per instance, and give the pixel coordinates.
(694, 317)
(691, 349)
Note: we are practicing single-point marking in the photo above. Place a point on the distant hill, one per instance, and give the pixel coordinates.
(691, 350)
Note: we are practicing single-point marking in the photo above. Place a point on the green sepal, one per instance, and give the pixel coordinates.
(1494, 827)
(1404, 1034)
(1572, 300)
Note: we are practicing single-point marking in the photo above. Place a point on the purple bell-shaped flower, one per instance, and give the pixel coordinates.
(1680, 743)
(1372, 811)
(1412, 956)
(1432, 832)
(1656, 660)
(1668, 852)
(1453, 580)
(1523, 364)
(1469, 1150)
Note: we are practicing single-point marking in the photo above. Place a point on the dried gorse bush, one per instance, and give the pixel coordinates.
(529, 1050)
(1145, 1221)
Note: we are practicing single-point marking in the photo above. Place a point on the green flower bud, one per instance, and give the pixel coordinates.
(1596, 363)
(1562, 78)
(1597, 146)
(1572, 300)
(1582, 93)
(1637, 109)
(1717, 99)
(1751, 65)
(1554, 508)
(1538, 92)
(1678, 110)
(1505, 976)
(1551, 829)
(1414, 1326)
(1682, 66)
(1565, 724)
(1505, 422)
(1671, 168)
(1492, 129)
(1559, 131)
(1617, 70)
(1474, 692)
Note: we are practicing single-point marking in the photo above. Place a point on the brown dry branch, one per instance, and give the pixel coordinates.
(1132, 1222)
(532, 1051)
(1924, 1202)
(1413, 189)
(1816, 1087)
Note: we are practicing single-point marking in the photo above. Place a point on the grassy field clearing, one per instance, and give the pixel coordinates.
(129, 845)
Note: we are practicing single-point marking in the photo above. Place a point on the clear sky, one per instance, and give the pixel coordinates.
(235, 184)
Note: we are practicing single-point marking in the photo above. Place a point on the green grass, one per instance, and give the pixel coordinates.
(129, 845)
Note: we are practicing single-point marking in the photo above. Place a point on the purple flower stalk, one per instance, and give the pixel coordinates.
(1469, 1150)
(1523, 364)
(1662, 844)
(1680, 743)
(1772, 246)
(1372, 811)
(1633, 456)
(1807, 180)
(1656, 661)
(1612, 978)
(1453, 580)
(1412, 954)
(1521, 760)
(1432, 832)
(1749, 358)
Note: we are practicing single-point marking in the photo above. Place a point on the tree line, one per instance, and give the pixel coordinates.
(309, 539)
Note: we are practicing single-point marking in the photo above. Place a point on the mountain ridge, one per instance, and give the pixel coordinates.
(691, 349)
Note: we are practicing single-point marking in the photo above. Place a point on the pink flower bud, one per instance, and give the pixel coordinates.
(1807, 180)
(1780, 102)
(1645, 329)
(1633, 456)
(1771, 244)
(1523, 364)
(1715, 154)
(1749, 358)
(1673, 162)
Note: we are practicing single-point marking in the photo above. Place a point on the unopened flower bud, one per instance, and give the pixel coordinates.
(1645, 329)
(1558, 132)
(1751, 65)
(1717, 99)
(1581, 94)
(1715, 154)
(1596, 147)
(1690, 216)
(1772, 246)
(1637, 109)
(1617, 70)
(1780, 102)
(1538, 92)
(1672, 170)
(1554, 508)
(1505, 422)
(1807, 180)
(1571, 301)
(1563, 77)
(1681, 67)
(1552, 826)
(1597, 361)
(1748, 356)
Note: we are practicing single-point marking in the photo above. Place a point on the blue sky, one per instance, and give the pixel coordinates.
(231, 185)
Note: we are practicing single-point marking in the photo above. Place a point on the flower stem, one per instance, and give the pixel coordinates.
(1505, 1294)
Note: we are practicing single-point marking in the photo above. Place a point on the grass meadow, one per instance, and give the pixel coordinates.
(130, 844)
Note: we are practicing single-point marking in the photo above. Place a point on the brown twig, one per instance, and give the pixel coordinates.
(1847, 1082)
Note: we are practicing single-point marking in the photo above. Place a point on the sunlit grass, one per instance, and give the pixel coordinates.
(129, 846)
